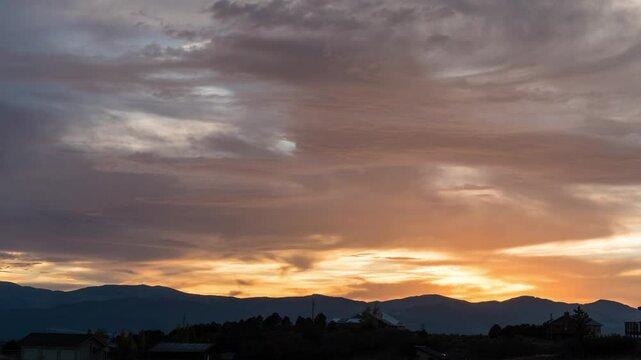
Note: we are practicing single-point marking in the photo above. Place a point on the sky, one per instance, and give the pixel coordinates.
(372, 149)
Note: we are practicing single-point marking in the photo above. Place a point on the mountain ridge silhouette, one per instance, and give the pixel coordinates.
(133, 307)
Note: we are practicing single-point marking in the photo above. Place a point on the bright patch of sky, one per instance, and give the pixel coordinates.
(135, 132)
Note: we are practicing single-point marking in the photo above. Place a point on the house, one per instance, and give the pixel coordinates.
(180, 351)
(632, 328)
(567, 326)
(381, 320)
(55, 346)
(426, 353)
(5, 353)
(353, 321)
(594, 328)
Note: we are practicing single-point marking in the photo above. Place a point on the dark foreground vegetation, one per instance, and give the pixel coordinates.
(276, 337)
(484, 347)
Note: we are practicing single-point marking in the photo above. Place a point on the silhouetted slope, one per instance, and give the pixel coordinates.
(14, 296)
(114, 307)
(110, 292)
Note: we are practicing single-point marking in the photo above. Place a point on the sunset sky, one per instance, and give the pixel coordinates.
(372, 149)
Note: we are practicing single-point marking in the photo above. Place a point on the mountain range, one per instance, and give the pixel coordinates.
(25, 309)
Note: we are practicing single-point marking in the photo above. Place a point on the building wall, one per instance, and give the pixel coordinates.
(632, 328)
(563, 327)
(89, 350)
(48, 353)
(566, 326)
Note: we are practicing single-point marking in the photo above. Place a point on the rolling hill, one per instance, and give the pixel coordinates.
(113, 307)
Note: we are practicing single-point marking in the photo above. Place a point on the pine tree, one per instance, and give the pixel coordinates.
(495, 331)
(321, 321)
(142, 341)
(582, 319)
(370, 317)
(286, 323)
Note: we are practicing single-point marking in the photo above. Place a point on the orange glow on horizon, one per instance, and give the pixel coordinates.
(362, 274)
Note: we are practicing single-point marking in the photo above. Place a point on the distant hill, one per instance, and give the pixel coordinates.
(113, 307)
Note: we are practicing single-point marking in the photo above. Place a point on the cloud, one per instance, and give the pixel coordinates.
(597, 249)
(142, 133)
(220, 138)
(299, 262)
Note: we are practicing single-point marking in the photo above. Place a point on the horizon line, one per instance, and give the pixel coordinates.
(318, 294)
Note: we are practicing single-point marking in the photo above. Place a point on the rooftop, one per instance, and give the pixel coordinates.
(181, 348)
(382, 316)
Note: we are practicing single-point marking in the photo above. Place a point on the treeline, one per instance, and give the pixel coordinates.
(525, 330)
(484, 347)
(277, 337)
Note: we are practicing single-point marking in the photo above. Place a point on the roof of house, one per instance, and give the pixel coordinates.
(567, 317)
(382, 316)
(356, 319)
(181, 348)
(389, 319)
(55, 339)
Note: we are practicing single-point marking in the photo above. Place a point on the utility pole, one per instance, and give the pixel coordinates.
(313, 308)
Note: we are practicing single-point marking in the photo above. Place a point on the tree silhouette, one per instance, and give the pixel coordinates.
(142, 341)
(286, 323)
(273, 321)
(370, 317)
(582, 319)
(321, 321)
(495, 331)
(102, 336)
(126, 348)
